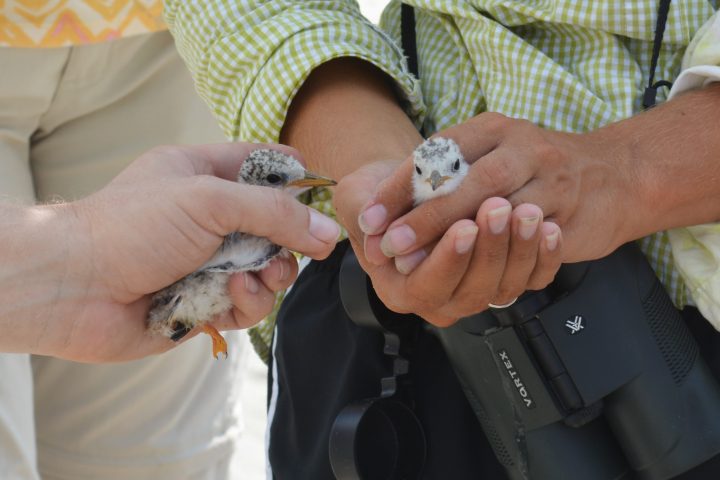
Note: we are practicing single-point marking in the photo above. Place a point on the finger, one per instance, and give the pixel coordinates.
(223, 207)
(497, 174)
(224, 159)
(221, 160)
(536, 192)
(394, 196)
(280, 273)
(252, 301)
(436, 277)
(485, 271)
(373, 252)
(549, 257)
(354, 192)
(479, 135)
(388, 283)
(524, 241)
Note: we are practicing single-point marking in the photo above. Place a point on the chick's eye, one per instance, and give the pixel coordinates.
(456, 165)
(417, 169)
(273, 178)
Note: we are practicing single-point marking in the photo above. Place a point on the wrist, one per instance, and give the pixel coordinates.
(669, 155)
(44, 278)
(346, 115)
(629, 190)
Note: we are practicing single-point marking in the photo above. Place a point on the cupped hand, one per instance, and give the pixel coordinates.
(580, 183)
(490, 256)
(159, 220)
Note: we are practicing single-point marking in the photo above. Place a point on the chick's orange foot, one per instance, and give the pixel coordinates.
(219, 345)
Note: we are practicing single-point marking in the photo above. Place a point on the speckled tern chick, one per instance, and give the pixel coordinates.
(195, 299)
(439, 169)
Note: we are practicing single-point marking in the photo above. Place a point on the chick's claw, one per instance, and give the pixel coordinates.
(219, 345)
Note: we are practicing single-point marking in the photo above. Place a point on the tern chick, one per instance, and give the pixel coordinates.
(195, 299)
(439, 169)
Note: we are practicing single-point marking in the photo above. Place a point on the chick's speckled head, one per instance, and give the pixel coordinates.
(439, 168)
(274, 169)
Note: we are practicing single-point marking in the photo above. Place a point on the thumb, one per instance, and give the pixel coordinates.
(392, 197)
(224, 207)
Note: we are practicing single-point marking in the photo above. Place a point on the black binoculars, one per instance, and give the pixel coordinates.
(595, 377)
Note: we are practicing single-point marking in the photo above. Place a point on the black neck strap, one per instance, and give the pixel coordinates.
(409, 45)
(407, 35)
(650, 95)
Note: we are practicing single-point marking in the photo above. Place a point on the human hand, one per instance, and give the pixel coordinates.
(580, 183)
(478, 260)
(159, 220)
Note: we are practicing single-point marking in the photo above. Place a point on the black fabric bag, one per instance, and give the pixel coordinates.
(324, 362)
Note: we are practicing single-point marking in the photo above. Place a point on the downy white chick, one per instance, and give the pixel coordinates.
(195, 299)
(439, 169)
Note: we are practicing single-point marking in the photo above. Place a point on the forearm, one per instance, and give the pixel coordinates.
(249, 65)
(673, 154)
(347, 115)
(36, 284)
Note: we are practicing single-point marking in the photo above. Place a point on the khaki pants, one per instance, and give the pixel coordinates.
(70, 120)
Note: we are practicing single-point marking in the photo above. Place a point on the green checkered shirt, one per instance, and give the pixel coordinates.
(562, 64)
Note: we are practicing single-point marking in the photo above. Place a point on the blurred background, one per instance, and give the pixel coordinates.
(249, 462)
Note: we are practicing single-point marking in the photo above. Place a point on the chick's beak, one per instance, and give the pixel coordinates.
(436, 180)
(312, 180)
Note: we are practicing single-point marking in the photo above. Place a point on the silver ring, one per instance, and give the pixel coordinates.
(492, 305)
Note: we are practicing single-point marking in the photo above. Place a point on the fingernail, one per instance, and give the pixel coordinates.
(372, 219)
(498, 218)
(283, 270)
(323, 228)
(251, 285)
(465, 239)
(528, 227)
(405, 264)
(551, 241)
(397, 240)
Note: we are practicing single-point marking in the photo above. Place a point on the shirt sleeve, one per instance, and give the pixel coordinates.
(701, 63)
(249, 58)
(696, 249)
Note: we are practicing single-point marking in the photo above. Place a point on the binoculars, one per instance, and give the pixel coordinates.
(595, 377)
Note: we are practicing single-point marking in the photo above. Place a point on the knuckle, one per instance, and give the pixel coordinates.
(497, 120)
(496, 175)
(539, 282)
(471, 302)
(506, 294)
(166, 150)
(391, 303)
(494, 255)
(204, 196)
(440, 219)
(441, 321)
(421, 300)
(282, 205)
(525, 256)
(547, 151)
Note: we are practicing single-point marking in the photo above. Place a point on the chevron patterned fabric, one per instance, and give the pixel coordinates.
(57, 23)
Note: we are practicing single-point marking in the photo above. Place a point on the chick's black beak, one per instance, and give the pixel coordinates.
(312, 180)
(436, 180)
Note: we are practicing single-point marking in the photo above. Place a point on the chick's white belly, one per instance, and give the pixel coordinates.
(241, 252)
(204, 298)
(203, 294)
